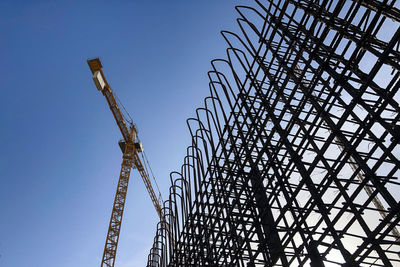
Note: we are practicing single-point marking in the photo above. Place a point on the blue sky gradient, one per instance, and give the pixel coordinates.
(60, 160)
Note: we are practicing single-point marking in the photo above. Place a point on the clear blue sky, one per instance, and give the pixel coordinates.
(59, 155)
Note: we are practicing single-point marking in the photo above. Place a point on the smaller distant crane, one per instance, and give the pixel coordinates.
(131, 148)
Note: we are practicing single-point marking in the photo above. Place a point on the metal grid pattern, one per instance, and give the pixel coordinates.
(294, 158)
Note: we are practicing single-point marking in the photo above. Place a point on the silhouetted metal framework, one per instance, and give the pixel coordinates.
(295, 154)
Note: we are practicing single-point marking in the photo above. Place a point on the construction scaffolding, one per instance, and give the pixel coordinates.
(295, 154)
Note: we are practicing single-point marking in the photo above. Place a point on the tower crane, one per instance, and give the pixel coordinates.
(131, 147)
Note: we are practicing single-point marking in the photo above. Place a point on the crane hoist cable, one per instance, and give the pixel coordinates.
(129, 119)
(145, 159)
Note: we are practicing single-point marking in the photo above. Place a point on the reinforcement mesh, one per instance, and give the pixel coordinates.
(294, 158)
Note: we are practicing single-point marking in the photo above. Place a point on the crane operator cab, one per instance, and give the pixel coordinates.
(138, 146)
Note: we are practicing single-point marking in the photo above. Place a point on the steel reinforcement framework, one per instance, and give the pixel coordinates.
(295, 154)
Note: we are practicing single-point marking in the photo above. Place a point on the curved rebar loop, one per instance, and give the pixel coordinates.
(197, 165)
(156, 252)
(177, 209)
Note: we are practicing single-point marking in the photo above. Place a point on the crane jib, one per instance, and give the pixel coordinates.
(117, 115)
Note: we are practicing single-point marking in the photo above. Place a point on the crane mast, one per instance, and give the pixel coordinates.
(130, 159)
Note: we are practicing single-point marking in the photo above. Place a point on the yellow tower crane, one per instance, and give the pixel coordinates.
(130, 158)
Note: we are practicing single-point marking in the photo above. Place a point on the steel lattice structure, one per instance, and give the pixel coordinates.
(295, 154)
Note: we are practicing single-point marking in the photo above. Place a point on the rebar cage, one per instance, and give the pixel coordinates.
(294, 158)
